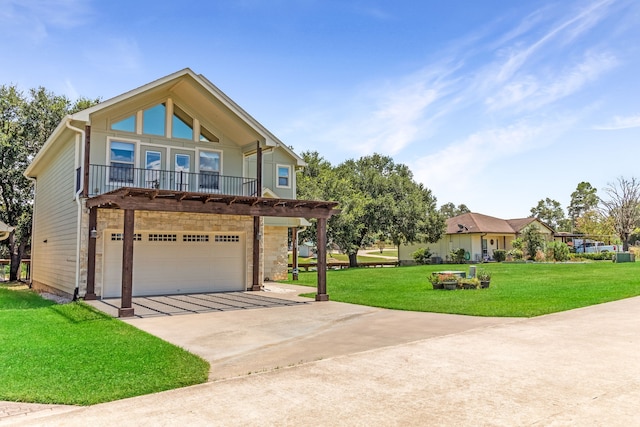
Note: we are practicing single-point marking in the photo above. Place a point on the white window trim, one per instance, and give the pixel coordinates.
(197, 169)
(136, 155)
(288, 167)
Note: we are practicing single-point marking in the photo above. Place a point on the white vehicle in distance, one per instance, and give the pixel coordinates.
(593, 247)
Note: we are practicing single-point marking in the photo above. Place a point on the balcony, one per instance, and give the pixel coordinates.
(103, 179)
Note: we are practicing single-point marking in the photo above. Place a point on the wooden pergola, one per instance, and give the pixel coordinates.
(131, 200)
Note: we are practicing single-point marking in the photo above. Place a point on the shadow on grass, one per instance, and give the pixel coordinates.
(79, 312)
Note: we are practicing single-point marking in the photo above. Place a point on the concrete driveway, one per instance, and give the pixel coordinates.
(573, 368)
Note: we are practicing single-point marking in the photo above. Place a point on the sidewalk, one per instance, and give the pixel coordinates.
(573, 368)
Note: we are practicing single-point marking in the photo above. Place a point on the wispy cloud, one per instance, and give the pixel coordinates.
(35, 18)
(531, 92)
(618, 123)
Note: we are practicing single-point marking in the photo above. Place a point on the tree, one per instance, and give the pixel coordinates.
(449, 210)
(550, 212)
(533, 240)
(377, 198)
(595, 225)
(623, 206)
(25, 124)
(583, 200)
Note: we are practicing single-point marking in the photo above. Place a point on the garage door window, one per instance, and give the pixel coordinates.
(162, 237)
(227, 238)
(195, 238)
(119, 236)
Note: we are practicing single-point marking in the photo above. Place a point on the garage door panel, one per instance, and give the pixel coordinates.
(182, 263)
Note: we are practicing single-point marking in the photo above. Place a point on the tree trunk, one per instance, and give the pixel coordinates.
(353, 260)
(625, 242)
(16, 250)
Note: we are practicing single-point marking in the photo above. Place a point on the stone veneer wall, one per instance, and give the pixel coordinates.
(113, 219)
(276, 263)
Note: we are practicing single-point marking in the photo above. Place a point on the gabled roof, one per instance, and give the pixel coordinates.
(171, 80)
(478, 223)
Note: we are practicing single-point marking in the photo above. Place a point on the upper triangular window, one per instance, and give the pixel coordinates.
(153, 120)
(127, 124)
(206, 136)
(182, 124)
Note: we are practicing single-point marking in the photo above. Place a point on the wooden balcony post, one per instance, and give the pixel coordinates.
(321, 295)
(294, 255)
(91, 255)
(126, 309)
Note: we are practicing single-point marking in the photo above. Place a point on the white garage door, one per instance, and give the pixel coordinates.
(174, 263)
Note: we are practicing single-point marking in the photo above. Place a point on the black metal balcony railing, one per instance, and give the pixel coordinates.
(103, 179)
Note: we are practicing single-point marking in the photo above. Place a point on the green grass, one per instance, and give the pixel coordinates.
(517, 290)
(74, 354)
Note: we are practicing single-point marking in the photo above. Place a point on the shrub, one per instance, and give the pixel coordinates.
(516, 254)
(483, 275)
(499, 255)
(422, 256)
(602, 256)
(557, 251)
(457, 255)
(540, 256)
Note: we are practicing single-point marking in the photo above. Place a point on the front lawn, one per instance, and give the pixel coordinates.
(517, 290)
(74, 354)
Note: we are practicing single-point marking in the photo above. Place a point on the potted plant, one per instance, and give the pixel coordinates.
(472, 283)
(435, 281)
(449, 281)
(484, 277)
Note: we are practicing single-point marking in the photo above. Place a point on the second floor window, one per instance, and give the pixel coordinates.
(122, 161)
(284, 176)
(209, 170)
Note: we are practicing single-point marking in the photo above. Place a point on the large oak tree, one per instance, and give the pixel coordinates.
(26, 121)
(377, 198)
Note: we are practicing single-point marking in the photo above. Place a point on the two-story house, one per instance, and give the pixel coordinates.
(169, 188)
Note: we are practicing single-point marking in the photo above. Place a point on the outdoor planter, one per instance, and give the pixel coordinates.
(450, 285)
(485, 277)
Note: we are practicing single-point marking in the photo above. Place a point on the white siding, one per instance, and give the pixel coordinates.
(55, 221)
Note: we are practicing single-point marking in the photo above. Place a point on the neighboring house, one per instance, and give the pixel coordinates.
(169, 188)
(478, 234)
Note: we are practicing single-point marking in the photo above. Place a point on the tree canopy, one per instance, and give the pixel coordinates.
(583, 200)
(550, 212)
(26, 121)
(378, 198)
(449, 210)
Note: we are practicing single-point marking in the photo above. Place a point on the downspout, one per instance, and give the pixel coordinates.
(80, 136)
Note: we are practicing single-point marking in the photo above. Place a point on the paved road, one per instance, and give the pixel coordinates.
(573, 368)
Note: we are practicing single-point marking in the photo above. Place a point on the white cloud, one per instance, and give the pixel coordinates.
(444, 169)
(618, 123)
(533, 92)
(33, 19)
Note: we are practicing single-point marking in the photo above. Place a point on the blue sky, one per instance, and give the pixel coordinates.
(495, 104)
